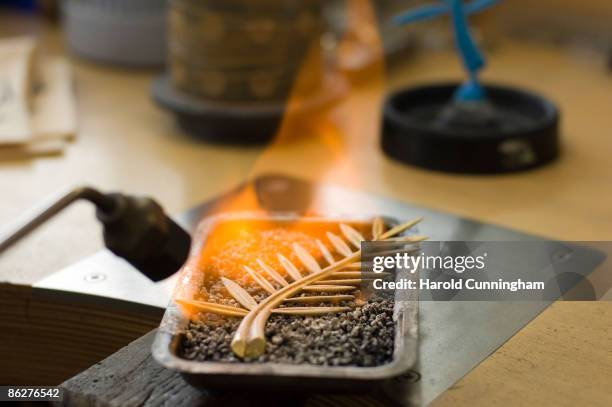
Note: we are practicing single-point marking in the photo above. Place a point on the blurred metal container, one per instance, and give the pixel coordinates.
(244, 51)
(128, 32)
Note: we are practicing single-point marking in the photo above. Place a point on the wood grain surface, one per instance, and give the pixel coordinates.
(125, 142)
(132, 378)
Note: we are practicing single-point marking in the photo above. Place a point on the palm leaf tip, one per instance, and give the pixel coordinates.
(259, 279)
(310, 311)
(272, 273)
(352, 235)
(220, 309)
(325, 251)
(339, 245)
(321, 298)
(378, 228)
(239, 294)
(306, 258)
(289, 267)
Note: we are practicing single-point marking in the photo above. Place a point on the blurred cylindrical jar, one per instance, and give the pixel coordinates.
(246, 51)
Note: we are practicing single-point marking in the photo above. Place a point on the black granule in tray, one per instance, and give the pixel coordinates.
(362, 337)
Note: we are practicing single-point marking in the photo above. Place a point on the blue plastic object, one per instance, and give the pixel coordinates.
(471, 90)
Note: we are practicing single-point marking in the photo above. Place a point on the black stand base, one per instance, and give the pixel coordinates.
(513, 131)
(236, 123)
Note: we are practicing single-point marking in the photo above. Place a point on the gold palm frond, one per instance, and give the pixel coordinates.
(340, 277)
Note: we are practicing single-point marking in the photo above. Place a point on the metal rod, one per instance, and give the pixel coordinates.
(32, 220)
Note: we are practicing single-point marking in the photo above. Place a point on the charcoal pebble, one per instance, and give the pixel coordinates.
(363, 337)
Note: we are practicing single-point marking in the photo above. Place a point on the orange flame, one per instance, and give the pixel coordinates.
(318, 124)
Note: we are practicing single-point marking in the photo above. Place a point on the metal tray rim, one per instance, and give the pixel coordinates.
(406, 334)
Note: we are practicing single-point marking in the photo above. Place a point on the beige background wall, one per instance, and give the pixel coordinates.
(589, 20)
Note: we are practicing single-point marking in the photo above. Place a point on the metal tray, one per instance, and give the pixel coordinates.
(275, 376)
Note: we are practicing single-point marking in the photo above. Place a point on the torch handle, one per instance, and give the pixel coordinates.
(135, 228)
(39, 215)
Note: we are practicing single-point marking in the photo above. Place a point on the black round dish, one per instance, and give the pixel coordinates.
(513, 131)
(216, 122)
(234, 123)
